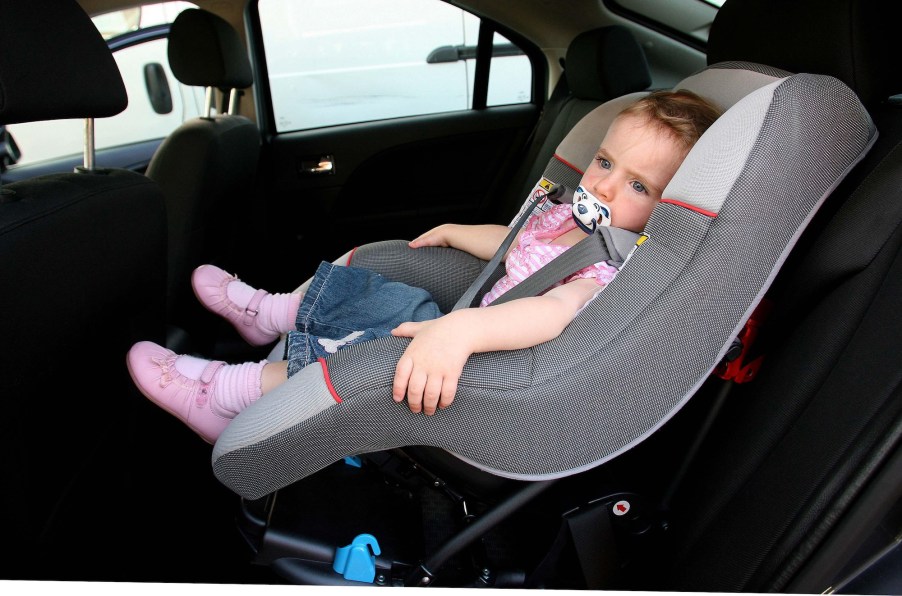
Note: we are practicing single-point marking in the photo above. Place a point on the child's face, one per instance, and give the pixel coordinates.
(631, 168)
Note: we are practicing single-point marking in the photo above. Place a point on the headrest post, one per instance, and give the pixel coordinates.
(233, 101)
(89, 144)
(209, 103)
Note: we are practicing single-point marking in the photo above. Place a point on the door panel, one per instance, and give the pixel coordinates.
(390, 179)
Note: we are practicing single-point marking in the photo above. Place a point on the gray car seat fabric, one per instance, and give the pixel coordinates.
(632, 357)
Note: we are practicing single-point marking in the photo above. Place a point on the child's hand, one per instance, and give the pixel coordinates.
(479, 240)
(437, 236)
(428, 371)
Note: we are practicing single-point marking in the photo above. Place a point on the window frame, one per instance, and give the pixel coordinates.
(648, 22)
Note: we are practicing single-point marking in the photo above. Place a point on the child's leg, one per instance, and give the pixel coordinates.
(260, 317)
(203, 394)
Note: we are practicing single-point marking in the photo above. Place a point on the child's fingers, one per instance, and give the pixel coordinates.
(402, 377)
(408, 329)
(434, 237)
(449, 390)
(421, 240)
(415, 387)
(431, 394)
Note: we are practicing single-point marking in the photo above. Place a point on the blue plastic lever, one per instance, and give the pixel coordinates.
(357, 561)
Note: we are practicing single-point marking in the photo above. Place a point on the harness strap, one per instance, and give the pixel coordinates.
(609, 244)
(466, 300)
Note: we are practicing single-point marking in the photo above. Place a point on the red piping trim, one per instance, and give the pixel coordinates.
(351, 256)
(690, 207)
(568, 164)
(328, 380)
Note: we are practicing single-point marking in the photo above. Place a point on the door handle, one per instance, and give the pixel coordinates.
(318, 166)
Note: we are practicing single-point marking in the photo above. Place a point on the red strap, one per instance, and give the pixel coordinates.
(739, 368)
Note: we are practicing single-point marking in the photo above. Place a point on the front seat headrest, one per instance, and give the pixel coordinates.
(55, 68)
(206, 51)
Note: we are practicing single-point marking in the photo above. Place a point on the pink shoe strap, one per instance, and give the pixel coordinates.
(206, 378)
(253, 307)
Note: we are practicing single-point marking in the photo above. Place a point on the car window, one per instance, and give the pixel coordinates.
(341, 61)
(137, 37)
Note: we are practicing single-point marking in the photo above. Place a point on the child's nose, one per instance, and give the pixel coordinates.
(602, 189)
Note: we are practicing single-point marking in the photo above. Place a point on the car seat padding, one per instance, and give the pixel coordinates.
(634, 355)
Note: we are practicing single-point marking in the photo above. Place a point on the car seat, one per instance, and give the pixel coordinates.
(677, 320)
(206, 166)
(83, 279)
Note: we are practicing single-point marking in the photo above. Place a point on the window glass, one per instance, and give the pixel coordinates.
(40, 141)
(341, 61)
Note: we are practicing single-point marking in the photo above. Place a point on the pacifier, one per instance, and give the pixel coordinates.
(589, 212)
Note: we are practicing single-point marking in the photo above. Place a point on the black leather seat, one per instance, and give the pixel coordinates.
(83, 277)
(206, 167)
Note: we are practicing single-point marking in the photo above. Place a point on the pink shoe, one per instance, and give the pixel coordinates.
(152, 368)
(210, 283)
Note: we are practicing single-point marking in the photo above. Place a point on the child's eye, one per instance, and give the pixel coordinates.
(638, 186)
(602, 162)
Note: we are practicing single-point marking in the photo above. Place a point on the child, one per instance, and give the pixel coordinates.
(639, 155)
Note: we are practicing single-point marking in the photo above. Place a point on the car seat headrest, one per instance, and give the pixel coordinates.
(605, 63)
(852, 40)
(206, 51)
(54, 64)
(722, 84)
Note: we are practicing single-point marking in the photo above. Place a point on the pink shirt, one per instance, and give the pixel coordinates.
(534, 250)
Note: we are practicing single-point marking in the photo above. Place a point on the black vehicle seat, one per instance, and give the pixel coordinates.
(794, 490)
(206, 167)
(83, 278)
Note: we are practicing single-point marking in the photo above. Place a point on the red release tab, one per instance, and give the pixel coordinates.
(740, 369)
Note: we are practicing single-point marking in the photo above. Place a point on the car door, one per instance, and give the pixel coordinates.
(382, 119)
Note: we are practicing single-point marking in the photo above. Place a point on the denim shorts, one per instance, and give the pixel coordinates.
(347, 305)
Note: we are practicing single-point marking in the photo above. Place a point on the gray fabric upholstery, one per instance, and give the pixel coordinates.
(632, 357)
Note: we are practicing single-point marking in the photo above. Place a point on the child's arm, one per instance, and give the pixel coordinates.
(481, 241)
(428, 371)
